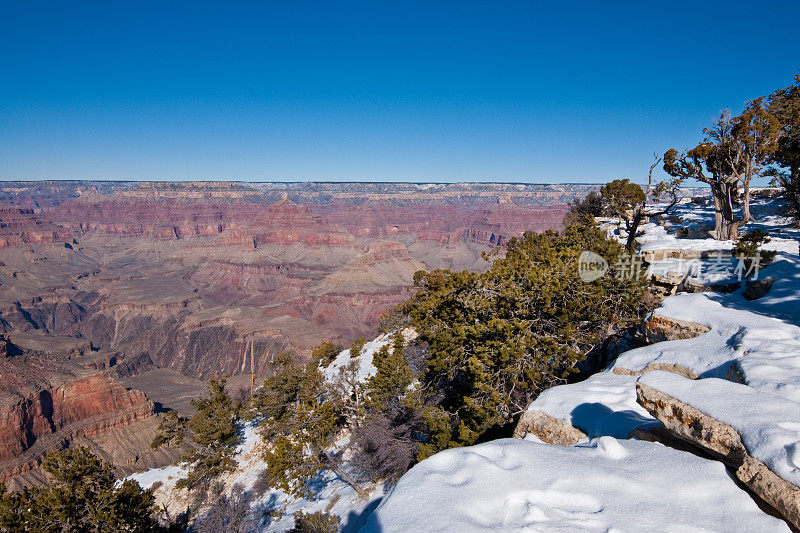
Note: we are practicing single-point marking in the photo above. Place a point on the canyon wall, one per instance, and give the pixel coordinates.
(47, 403)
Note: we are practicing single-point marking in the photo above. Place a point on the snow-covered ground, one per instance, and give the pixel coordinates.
(365, 367)
(333, 496)
(603, 405)
(605, 485)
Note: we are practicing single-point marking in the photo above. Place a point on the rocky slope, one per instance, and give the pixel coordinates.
(48, 403)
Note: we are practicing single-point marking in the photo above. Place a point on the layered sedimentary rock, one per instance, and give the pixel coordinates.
(46, 405)
(185, 276)
(26, 226)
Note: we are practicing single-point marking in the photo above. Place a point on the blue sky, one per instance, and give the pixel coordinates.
(411, 91)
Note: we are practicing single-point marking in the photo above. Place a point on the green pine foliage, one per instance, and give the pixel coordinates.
(81, 496)
(171, 431)
(325, 353)
(784, 105)
(214, 436)
(211, 432)
(748, 247)
(497, 339)
(393, 376)
(579, 209)
(274, 400)
(300, 420)
(357, 346)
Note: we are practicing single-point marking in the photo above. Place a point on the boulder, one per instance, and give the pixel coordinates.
(658, 328)
(664, 367)
(547, 429)
(755, 289)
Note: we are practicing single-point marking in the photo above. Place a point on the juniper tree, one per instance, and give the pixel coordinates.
(497, 339)
(357, 346)
(734, 150)
(81, 495)
(392, 376)
(211, 432)
(784, 105)
(386, 440)
(300, 419)
(628, 201)
(590, 205)
(171, 431)
(325, 353)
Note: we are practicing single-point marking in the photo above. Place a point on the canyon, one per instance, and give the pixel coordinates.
(119, 299)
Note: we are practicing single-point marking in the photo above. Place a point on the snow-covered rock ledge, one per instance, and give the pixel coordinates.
(755, 432)
(604, 485)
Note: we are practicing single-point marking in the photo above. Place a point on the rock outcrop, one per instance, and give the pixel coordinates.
(26, 226)
(755, 289)
(547, 429)
(46, 405)
(664, 367)
(657, 328)
(724, 442)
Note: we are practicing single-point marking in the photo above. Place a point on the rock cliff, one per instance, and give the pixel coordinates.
(47, 405)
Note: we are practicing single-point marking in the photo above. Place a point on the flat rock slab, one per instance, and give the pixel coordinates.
(755, 432)
(547, 429)
(658, 328)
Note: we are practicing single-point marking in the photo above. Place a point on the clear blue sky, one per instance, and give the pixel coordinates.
(417, 91)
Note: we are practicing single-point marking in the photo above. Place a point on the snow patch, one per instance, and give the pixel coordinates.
(607, 485)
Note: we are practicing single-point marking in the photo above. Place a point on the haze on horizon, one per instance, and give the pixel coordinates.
(364, 91)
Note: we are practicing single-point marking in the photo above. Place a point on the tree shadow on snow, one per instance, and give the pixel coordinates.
(354, 520)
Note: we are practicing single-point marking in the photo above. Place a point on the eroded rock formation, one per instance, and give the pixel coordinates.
(47, 405)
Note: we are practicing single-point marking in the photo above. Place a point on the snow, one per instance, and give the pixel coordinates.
(606, 485)
(604, 404)
(334, 495)
(670, 242)
(769, 425)
(708, 354)
(765, 349)
(365, 369)
(167, 476)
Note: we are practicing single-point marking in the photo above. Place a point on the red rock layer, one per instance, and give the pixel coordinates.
(160, 219)
(50, 418)
(24, 226)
